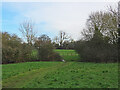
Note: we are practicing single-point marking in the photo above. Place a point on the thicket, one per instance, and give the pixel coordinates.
(14, 50)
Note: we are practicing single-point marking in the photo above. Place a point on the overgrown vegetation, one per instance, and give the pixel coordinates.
(99, 42)
(14, 51)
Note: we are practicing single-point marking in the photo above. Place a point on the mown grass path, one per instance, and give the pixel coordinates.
(21, 79)
(60, 75)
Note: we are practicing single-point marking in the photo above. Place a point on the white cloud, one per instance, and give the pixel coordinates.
(69, 17)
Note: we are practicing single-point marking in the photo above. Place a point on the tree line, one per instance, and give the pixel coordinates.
(99, 42)
(15, 50)
(33, 48)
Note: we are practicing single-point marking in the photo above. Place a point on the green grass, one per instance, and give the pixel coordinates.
(60, 75)
(68, 55)
(10, 70)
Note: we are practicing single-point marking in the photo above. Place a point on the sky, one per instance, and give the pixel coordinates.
(50, 17)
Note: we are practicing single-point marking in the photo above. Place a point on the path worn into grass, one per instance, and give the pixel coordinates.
(21, 79)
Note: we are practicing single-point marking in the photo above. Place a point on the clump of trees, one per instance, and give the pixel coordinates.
(15, 50)
(99, 42)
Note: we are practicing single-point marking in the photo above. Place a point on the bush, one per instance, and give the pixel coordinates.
(13, 50)
(10, 48)
(45, 49)
(96, 52)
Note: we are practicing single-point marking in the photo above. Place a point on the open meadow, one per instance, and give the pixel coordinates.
(60, 75)
(68, 55)
(60, 44)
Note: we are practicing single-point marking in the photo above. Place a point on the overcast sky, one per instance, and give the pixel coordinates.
(50, 17)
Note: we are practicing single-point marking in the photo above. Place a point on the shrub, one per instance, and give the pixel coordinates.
(100, 52)
(13, 50)
(45, 49)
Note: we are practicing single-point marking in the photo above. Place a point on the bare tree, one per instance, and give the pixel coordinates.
(27, 29)
(61, 38)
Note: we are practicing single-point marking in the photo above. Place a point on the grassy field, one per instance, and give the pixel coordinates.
(60, 75)
(68, 55)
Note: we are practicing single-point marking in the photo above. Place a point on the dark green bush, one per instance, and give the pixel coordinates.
(90, 51)
(45, 49)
